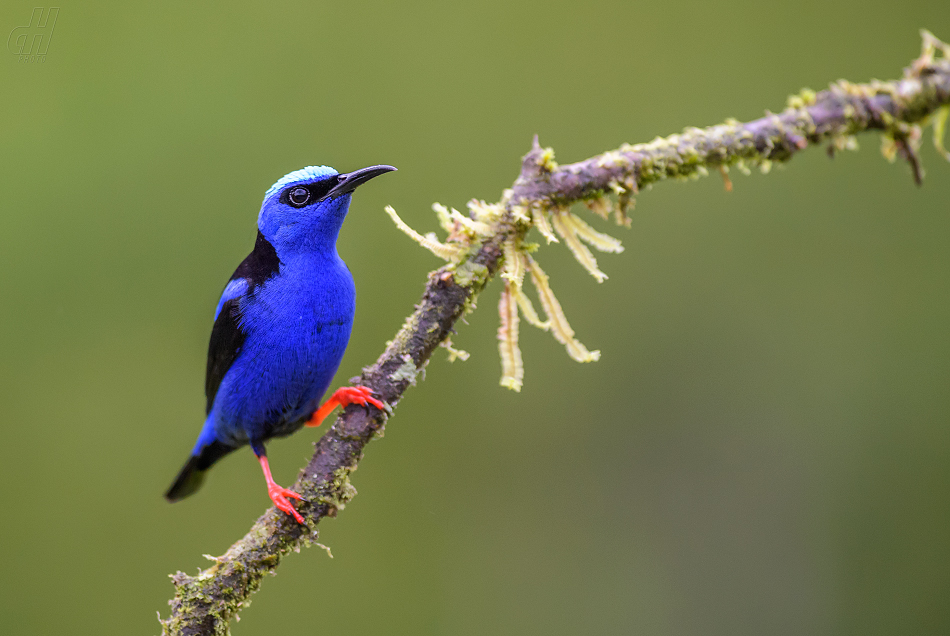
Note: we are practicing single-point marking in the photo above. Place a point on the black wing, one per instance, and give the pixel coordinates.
(227, 337)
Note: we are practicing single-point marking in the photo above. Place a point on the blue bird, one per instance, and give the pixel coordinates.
(280, 328)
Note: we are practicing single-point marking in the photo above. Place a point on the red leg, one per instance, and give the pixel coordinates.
(344, 396)
(279, 494)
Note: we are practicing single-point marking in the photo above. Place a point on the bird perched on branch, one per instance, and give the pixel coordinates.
(280, 328)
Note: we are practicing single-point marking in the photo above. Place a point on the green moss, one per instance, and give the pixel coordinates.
(469, 274)
(406, 371)
(339, 490)
(546, 161)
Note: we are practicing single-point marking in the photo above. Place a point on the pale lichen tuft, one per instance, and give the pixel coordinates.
(578, 249)
(454, 354)
(446, 252)
(512, 367)
(940, 130)
(541, 222)
(558, 321)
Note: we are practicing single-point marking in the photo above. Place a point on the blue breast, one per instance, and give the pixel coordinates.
(297, 324)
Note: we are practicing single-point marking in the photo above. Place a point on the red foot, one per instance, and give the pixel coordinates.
(279, 494)
(344, 396)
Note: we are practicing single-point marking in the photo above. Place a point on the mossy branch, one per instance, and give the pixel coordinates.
(491, 239)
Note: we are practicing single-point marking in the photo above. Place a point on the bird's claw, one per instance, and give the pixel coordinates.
(343, 397)
(279, 495)
(359, 394)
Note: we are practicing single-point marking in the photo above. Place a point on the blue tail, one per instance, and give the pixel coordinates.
(207, 451)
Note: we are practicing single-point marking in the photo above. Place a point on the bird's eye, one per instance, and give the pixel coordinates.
(299, 196)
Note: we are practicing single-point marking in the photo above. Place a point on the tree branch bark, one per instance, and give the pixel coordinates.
(205, 603)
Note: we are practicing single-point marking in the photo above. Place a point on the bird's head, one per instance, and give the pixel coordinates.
(305, 209)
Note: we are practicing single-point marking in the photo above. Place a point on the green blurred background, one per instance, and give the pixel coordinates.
(763, 448)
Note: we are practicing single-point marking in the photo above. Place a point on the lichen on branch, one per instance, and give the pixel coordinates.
(491, 239)
(607, 184)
